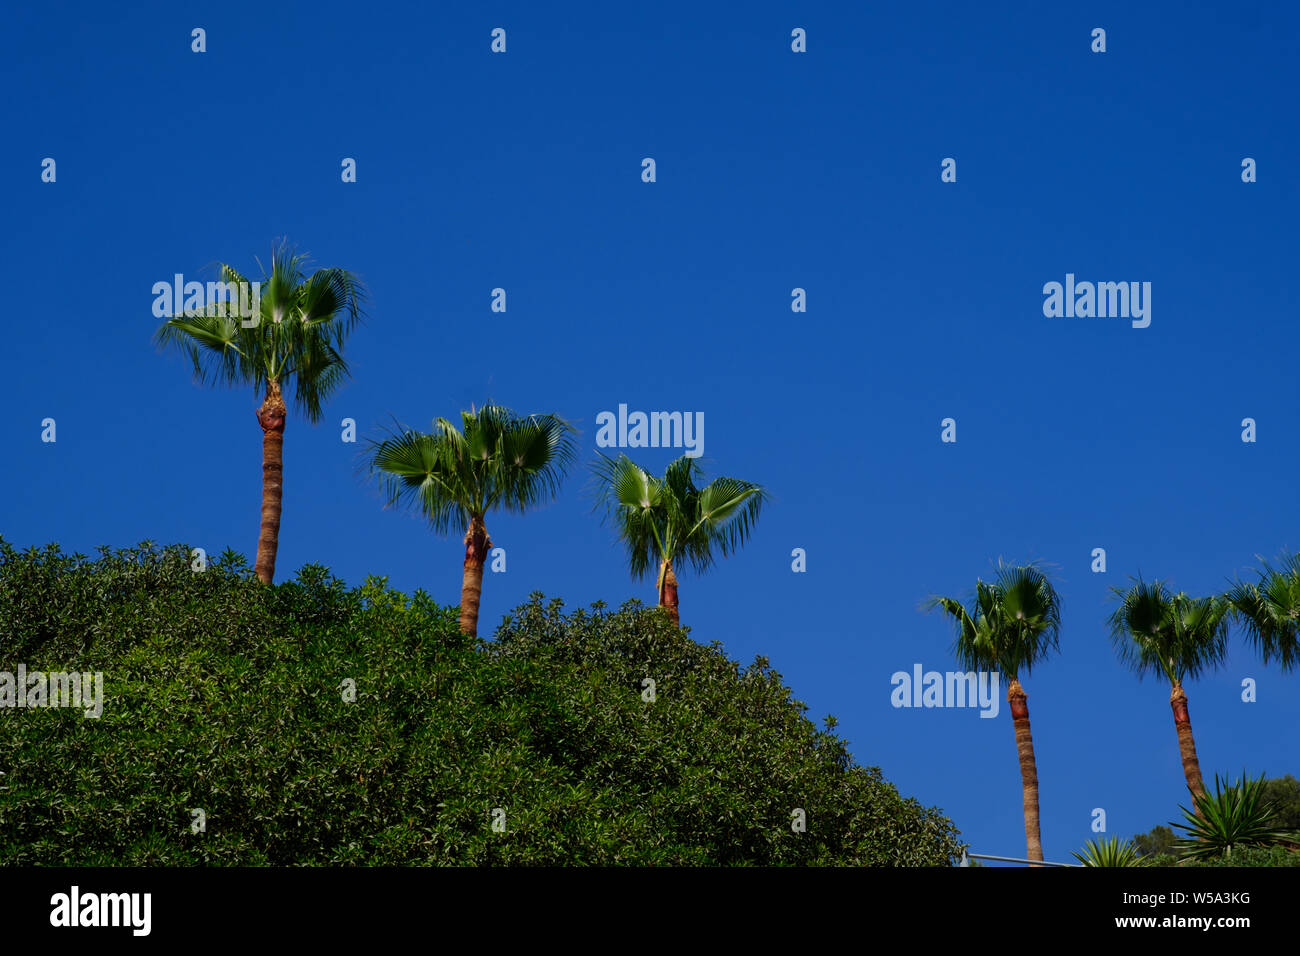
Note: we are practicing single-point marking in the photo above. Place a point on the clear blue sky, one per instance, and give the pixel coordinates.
(775, 170)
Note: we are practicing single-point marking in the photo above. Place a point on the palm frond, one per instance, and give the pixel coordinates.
(723, 514)
(633, 500)
(1269, 610)
(1031, 615)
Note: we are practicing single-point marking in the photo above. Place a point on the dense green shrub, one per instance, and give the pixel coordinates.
(227, 696)
(1243, 856)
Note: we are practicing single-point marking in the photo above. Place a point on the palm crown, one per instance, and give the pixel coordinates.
(1178, 636)
(298, 337)
(1013, 622)
(674, 519)
(499, 460)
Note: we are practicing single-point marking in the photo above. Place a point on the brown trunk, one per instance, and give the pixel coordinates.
(1016, 697)
(1186, 744)
(271, 417)
(668, 592)
(477, 545)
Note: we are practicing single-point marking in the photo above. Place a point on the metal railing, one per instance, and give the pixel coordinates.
(967, 857)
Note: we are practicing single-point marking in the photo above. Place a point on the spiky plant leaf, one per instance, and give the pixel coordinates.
(1111, 852)
(1233, 816)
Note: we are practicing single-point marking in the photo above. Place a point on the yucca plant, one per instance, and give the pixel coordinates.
(1111, 853)
(1231, 817)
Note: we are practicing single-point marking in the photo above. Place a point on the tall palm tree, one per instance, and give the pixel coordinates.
(667, 521)
(294, 341)
(1156, 632)
(1013, 623)
(455, 477)
(1270, 611)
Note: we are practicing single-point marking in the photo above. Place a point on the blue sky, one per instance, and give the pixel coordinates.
(775, 170)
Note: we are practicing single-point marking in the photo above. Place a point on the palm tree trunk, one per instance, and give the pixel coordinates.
(668, 591)
(477, 545)
(1186, 743)
(1016, 697)
(271, 417)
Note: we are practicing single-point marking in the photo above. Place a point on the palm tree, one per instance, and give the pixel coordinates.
(1156, 632)
(667, 521)
(456, 477)
(295, 340)
(1270, 611)
(1012, 624)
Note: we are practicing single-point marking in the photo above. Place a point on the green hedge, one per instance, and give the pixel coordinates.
(227, 696)
(1242, 856)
